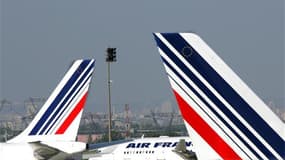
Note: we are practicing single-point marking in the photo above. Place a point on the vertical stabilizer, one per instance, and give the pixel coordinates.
(224, 117)
(59, 117)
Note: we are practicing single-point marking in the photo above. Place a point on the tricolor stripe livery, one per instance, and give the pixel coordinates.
(65, 100)
(225, 118)
(59, 117)
(71, 90)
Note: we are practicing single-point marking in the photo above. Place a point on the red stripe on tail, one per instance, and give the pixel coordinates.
(204, 130)
(72, 115)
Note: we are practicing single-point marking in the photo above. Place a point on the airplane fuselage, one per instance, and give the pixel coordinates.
(144, 149)
(33, 151)
(10, 151)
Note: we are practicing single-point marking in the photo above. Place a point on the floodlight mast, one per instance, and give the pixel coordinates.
(111, 57)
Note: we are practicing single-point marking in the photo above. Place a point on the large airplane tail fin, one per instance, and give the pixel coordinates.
(59, 117)
(223, 116)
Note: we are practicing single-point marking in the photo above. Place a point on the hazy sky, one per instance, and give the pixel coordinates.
(39, 39)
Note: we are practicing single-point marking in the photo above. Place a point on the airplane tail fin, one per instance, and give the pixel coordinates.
(222, 114)
(59, 117)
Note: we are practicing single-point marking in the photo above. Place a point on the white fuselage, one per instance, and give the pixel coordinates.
(143, 149)
(30, 151)
(11, 151)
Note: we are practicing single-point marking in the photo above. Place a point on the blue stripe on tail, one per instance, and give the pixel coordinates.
(60, 111)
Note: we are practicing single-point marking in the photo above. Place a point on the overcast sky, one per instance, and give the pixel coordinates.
(39, 40)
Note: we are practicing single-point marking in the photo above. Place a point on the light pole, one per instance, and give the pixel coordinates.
(111, 57)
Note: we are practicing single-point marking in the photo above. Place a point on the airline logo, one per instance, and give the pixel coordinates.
(156, 145)
(67, 100)
(232, 124)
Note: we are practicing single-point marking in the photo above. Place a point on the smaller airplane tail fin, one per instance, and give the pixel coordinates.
(59, 117)
(223, 116)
